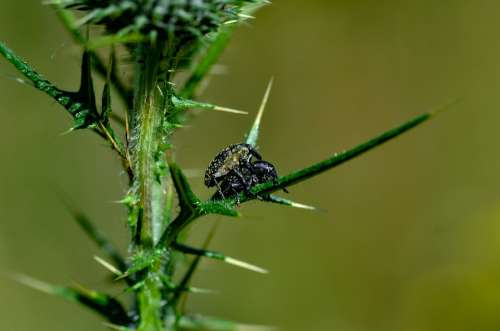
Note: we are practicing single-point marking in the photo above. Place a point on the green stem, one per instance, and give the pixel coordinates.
(337, 159)
(150, 305)
(147, 119)
(151, 103)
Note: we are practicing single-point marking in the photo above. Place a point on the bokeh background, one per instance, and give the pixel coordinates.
(409, 235)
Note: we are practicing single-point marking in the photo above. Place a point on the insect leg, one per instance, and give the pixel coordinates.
(236, 194)
(255, 154)
(243, 180)
(246, 185)
(219, 189)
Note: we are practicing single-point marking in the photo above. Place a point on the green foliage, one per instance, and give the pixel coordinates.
(103, 304)
(156, 34)
(181, 22)
(80, 104)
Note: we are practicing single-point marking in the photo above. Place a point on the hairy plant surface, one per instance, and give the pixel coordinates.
(161, 38)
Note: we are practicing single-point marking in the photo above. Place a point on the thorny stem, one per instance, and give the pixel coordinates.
(149, 119)
(192, 208)
(336, 160)
(150, 105)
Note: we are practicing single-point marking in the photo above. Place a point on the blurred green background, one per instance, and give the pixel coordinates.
(410, 234)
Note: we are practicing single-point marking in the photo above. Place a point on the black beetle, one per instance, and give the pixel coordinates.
(232, 159)
(259, 172)
(236, 169)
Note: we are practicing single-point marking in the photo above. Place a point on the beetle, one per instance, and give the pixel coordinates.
(234, 159)
(259, 172)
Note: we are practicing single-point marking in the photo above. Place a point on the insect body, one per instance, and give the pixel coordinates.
(236, 169)
(232, 159)
(259, 172)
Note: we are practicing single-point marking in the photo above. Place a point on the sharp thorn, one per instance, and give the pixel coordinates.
(230, 110)
(108, 266)
(33, 283)
(245, 265)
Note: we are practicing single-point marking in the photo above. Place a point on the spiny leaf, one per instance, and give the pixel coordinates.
(101, 303)
(88, 117)
(339, 158)
(69, 22)
(106, 104)
(86, 91)
(212, 53)
(218, 207)
(336, 160)
(106, 111)
(81, 111)
(191, 207)
(188, 275)
(254, 132)
(106, 93)
(188, 201)
(217, 256)
(185, 104)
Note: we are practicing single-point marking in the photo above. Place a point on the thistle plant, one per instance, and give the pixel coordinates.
(161, 38)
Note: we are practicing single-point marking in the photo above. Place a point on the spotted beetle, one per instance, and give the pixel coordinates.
(259, 172)
(231, 159)
(236, 169)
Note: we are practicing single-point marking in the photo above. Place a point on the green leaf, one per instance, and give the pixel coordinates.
(336, 160)
(101, 303)
(106, 112)
(217, 207)
(188, 203)
(213, 51)
(69, 22)
(217, 256)
(106, 93)
(86, 92)
(82, 112)
(106, 104)
(185, 104)
(188, 275)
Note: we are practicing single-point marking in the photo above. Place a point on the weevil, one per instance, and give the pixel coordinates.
(237, 169)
